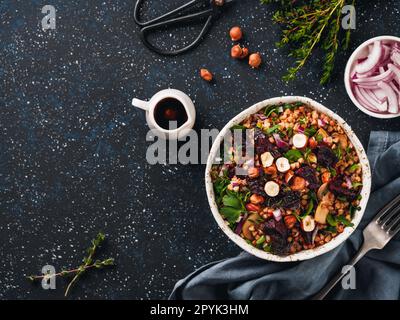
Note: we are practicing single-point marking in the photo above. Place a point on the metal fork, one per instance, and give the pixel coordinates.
(377, 234)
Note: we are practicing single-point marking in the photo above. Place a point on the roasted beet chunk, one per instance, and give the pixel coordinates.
(257, 185)
(326, 157)
(278, 233)
(262, 144)
(310, 174)
(291, 200)
(279, 246)
(272, 226)
(285, 199)
(339, 188)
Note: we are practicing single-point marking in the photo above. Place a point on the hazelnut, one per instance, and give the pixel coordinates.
(236, 51)
(253, 173)
(255, 60)
(245, 53)
(290, 221)
(206, 75)
(236, 33)
(256, 199)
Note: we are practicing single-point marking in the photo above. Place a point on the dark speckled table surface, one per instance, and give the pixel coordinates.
(72, 149)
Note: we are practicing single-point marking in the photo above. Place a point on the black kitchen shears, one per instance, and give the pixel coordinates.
(209, 9)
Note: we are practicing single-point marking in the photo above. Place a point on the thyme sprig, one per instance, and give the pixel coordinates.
(308, 24)
(87, 263)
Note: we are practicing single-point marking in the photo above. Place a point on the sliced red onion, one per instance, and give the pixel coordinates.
(279, 142)
(364, 102)
(261, 116)
(369, 95)
(395, 57)
(321, 123)
(239, 226)
(379, 94)
(376, 77)
(314, 234)
(300, 129)
(396, 47)
(385, 59)
(348, 182)
(393, 100)
(372, 60)
(277, 214)
(371, 73)
(394, 87)
(385, 76)
(396, 71)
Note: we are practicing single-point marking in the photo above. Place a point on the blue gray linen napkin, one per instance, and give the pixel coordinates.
(377, 274)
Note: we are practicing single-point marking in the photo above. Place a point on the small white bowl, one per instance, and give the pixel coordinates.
(357, 54)
(306, 254)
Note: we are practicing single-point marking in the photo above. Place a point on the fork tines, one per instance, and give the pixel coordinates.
(389, 216)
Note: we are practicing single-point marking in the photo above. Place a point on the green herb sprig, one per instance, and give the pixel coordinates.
(88, 263)
(307, 25)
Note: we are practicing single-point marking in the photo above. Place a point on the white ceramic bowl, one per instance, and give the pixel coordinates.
(360, 52)
(302, 255)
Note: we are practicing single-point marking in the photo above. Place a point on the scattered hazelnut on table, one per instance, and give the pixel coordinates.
(245, 53)
(237, 52)
(236, 33)
(206, 75)
(255, 60)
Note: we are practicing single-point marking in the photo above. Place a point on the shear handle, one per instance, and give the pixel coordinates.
(170, 14)
(190, 18)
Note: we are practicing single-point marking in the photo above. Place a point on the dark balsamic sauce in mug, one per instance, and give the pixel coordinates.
(170, 109)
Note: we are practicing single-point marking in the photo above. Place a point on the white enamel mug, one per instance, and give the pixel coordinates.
(149, 107)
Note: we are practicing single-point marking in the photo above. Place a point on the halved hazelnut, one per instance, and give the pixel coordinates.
(308, 224)
(267, 159)
(300, 140)
(282, 164)
(271, 188)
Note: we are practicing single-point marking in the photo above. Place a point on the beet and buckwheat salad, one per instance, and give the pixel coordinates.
(301, 185)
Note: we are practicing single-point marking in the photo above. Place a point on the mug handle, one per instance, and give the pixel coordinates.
(145, 105)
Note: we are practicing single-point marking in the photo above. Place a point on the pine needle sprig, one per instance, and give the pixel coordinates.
(308, 24)
(87, 264)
